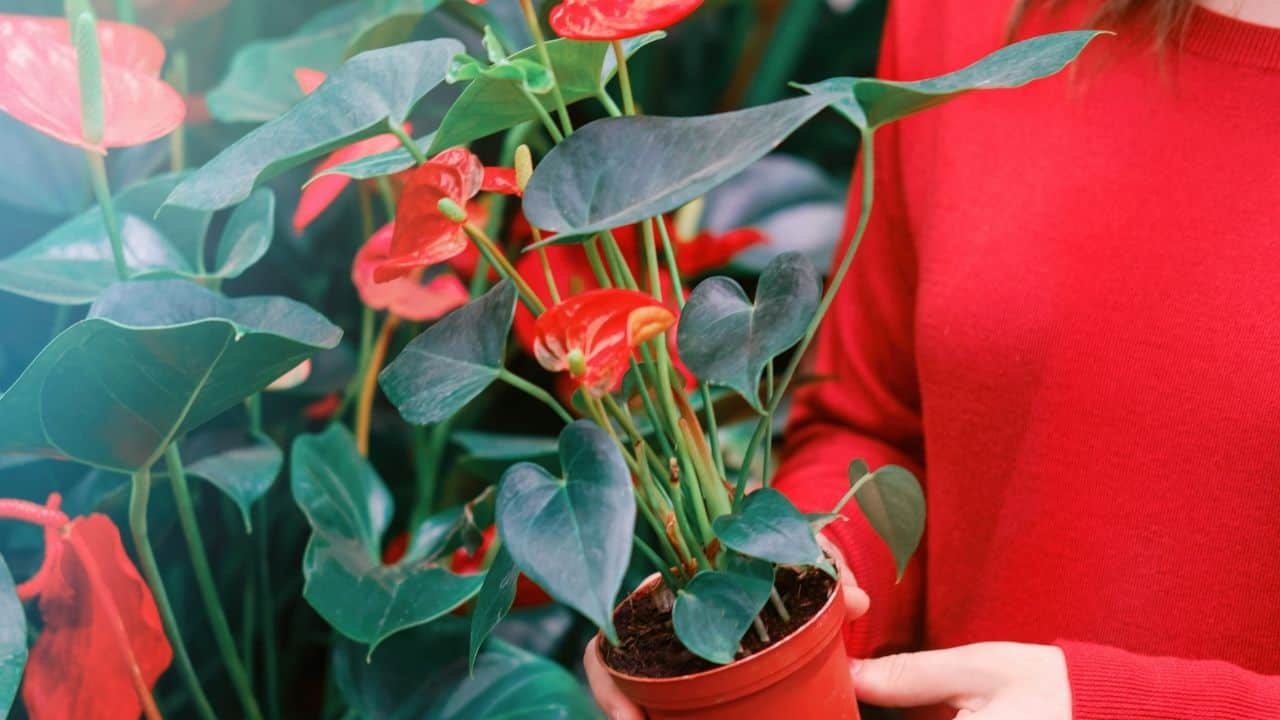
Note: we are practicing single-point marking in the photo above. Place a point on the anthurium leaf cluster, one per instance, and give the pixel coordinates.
(349, 509)
(715, 609)
(893, 502)
(153, 361)
(368, 94)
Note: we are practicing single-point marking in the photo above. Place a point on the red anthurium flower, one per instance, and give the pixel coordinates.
(617, 19)
(405, 296)
(321, 192)
(323, 409)
(572, 273)
(40, 83)
(500, 180)
(528, 593)
(709, 251)
(423, 235)
(592, 335)
(102, 647)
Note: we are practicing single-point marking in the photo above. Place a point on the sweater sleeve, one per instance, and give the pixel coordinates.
(866, 404)
(1111, 684)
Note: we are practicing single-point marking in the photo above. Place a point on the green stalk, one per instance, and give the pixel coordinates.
(768, 429)
(398, 130)
(535, 392)
(89, 65)
(496, 258)
(609, 105)
(368, 319)
(673, 269)
(543, 115)
(597, 264)
(535, 28)
(102, 193)
(713, 429)
(138, 499)
(624, 79)
(206, 585)
(656, 561)
(428, 446)
(618, 262)
(270, 663)
(864, 216)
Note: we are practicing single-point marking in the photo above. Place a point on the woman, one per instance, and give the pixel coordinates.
(1065, 318)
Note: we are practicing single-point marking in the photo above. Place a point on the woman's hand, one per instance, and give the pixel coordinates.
(617, 707)
(988, 681)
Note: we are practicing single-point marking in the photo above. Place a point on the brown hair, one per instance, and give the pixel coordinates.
(1165, 19)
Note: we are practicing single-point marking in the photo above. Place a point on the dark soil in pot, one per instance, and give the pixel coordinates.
(649, 647)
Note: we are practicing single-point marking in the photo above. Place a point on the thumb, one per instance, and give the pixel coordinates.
(917, 679)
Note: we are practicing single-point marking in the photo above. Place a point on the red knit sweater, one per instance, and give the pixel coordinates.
(1066, 317)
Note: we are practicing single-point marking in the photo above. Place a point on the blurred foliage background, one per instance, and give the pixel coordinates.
(733, 53)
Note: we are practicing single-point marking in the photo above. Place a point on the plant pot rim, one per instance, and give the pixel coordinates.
(756, 671)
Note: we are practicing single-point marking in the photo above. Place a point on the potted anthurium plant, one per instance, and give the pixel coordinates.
(743, 611)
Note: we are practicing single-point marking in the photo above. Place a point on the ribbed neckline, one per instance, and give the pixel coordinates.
(1222, 37)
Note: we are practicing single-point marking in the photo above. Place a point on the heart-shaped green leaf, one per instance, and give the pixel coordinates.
(490, 105)
(767, 526)
(368, 94)
(244, 473)
(713, 612)
(422, 675)
(13, 639)
(572, 535)
(589, 182)
(153, 361)
(260, 85)
(452, 361)
(719, 315)
(893, 502)
(349, 508)
(876, 102)
(496, 597)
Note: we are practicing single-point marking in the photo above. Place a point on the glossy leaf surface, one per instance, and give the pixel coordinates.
(349, 509)
(719, 315)
(876, 102)
(767, 526)
(368, 94)
(893, 502)
(497, 594)
(453, 361)
(244, 474)
(13, 638)
(572, 535)
(404, 682)
(153, 361)
(589, 182)
(714, 611)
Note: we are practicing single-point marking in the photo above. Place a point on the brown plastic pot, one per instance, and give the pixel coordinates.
(806, 675)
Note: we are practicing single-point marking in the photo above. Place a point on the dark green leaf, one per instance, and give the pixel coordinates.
(491, 105)
(393, 23)
(458, 527)
(876, 102)
(452, 361)
(719, 315)
(572, 535)
(497, 594)
(377, 165)
(488, 455)
(247, 235)
(769, 527)
(369, 93)
(422, 675)
(13, 639)
(153, 361)
(893, 502)
(589, 183)
(349, 508)
(243, 473)
(714, 611)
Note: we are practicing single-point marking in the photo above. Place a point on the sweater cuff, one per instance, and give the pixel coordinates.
(1112, 684)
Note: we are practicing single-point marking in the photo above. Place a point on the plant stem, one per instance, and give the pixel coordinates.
(102, 193)
(535, 28)
(618, 262)
(609, 105)
(205, 583)
(398, 130)
(768, 429)
(500, 261)
(368, 387)
(780, 607)
(656, 561)
(673, 269)
(624, 78)
(547, 123)
(713, 428)
(270, 663)
(427, 448)
(864, 216)
(761, 633)
(535, 392)
(178, 75)
(744, 472)
(592, 248)
(138, 498)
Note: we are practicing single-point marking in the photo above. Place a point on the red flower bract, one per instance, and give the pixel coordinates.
(423, 235)
(40, 83)
(100, 623)
(528, 593)
(592, 335)
(404, 296)
(617, 19)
